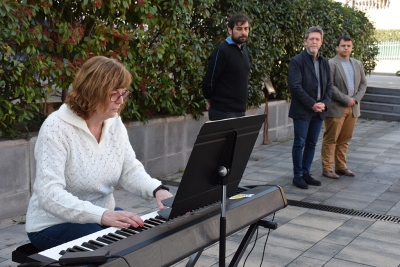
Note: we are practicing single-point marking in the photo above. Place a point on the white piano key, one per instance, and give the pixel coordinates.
(53, 253)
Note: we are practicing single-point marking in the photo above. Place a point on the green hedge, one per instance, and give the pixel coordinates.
(164, 43)
(387, 35)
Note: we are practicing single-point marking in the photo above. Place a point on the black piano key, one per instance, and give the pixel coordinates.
(149, 225)
(149, 221)
(158, 217)
(87, 245)
(104, 240)
(122, 233)
(79, 248)
(135, 228)
(144, 227)
(113, 239)
(129, 231)
(118, 237)
(158, 222)
(62, 252)
(97, 243)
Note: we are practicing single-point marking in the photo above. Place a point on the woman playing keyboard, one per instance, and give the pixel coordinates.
(81, 153)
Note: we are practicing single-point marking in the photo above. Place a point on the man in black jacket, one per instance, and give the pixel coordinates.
(310, 83)
(225, 83)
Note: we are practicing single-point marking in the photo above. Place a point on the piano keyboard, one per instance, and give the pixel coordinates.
(102, 238)
(180, 237)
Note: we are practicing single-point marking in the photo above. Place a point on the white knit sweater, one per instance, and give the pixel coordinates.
(75, 175)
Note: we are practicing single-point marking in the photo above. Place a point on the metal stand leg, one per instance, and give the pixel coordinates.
(222, 230)
(243, 245)
(247, 238)
(194, 258)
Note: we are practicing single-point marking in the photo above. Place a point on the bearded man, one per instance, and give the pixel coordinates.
(225, 82)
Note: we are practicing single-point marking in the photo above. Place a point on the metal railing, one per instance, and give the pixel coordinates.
(389, 50)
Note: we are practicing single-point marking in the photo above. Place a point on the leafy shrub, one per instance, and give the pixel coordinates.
(164, 43)
(388, 35)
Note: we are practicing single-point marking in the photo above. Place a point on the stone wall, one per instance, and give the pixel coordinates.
(163, 145)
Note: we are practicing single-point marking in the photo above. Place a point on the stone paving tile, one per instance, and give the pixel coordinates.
(394, 160)
(12, 221)
(262, 177)
(8, 263)
(251, 169)
(371, 251)
(342, 263)
(318, 197)
(265, 164)
(348, 231)
(395, 211)
(390, 196)
(316, 219)
(366, 188)
(265, 154)
(296, 236)
(306, 261)
(383, 231)
(204, 261)
(12, 235)
(349, 201)
(367, 166)
(252, 162)
(6, 252)
(323, 251)
(380, 206)
(292, 192)
(379, 177)
(269, 162)
(287, 214)
(272, 256)
(251, 182)
(370, 150)
(285, 179)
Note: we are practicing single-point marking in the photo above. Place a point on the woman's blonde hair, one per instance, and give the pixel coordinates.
(93, 85)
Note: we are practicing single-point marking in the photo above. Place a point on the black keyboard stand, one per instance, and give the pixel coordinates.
(243, 245)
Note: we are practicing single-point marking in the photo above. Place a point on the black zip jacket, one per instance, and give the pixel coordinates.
(226, 79)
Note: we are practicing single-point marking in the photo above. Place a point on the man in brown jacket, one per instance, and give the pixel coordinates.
(348, 88)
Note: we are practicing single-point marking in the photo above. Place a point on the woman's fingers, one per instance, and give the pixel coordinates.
(121, 219)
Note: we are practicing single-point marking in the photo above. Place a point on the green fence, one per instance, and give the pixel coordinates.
(389, 50)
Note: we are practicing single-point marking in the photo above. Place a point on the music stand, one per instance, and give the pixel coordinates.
(218, 160)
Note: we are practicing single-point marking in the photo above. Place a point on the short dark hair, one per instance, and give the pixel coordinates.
(239, 17)
(314, 29)
(344, 38)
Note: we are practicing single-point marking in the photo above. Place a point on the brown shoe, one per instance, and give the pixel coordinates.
(345, 172)
(330, 174)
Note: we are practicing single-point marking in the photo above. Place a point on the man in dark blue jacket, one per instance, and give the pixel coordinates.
(225, 83)
(310, 83)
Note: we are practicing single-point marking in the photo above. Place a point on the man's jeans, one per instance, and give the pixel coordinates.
(214, 115)
(62, 233)
(305, 138)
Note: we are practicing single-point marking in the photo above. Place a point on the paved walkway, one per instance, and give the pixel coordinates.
(305, 237)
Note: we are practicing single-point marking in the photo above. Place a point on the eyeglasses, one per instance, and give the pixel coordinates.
(115, 96)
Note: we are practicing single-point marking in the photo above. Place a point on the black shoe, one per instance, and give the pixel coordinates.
(310, 180)
(300, 183)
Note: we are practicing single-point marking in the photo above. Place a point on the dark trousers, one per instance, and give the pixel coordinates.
(215, 115)
(306, 135)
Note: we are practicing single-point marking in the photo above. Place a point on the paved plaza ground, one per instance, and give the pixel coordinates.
(305, 236)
